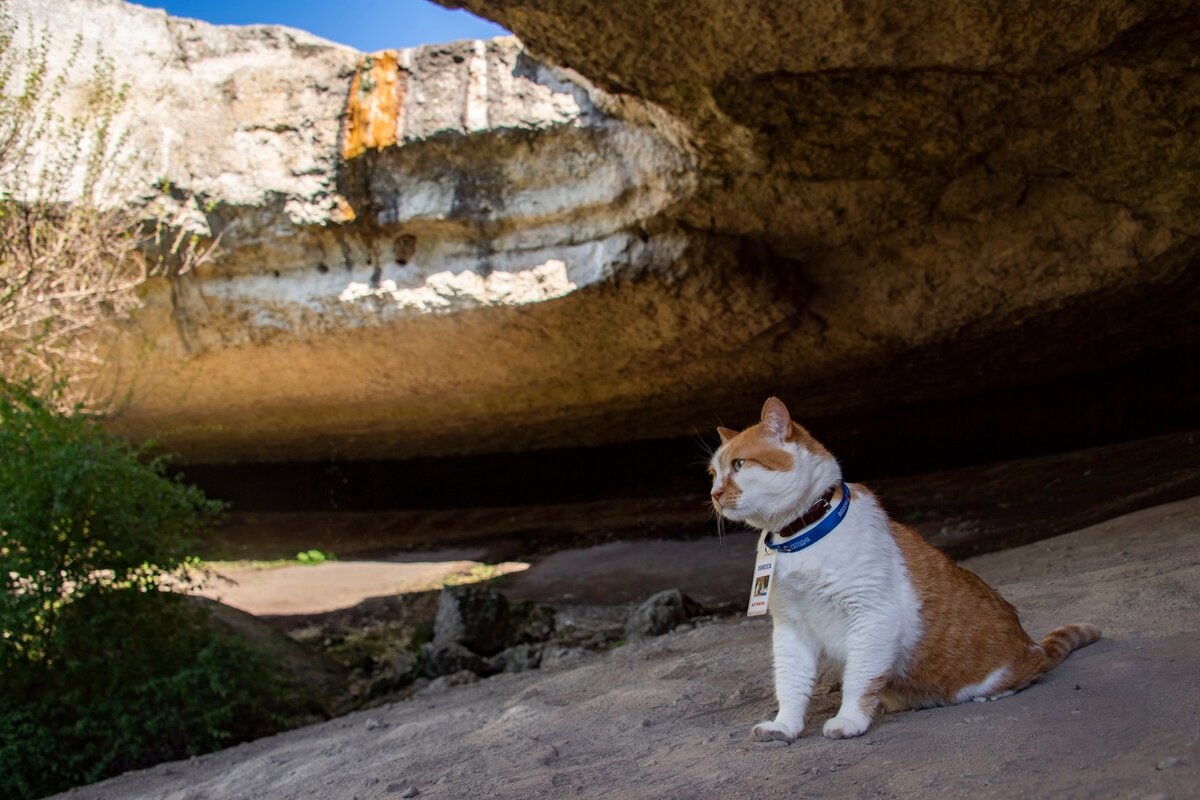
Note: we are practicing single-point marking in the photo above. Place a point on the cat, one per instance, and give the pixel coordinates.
(909, 627)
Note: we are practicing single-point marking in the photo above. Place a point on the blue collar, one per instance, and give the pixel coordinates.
(817, 532)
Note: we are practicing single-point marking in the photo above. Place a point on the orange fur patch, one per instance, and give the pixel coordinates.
(1061, 641)
(802, 437)
(755, 446)
(869, 702)
(969, 629)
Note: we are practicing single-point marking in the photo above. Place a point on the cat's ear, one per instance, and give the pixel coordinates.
(726, 434)
(776, 419)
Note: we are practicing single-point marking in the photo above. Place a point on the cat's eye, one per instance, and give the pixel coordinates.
(738, 463)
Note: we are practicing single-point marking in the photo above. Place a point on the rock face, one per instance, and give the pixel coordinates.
(462, 249)
(660, 613)
(314, 685)
(671, 716)
(474, 621)
(474, 617)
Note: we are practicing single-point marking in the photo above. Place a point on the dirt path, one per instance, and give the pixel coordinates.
(333, 585)
(670, 717)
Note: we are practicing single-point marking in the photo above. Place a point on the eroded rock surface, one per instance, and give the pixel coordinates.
(660, 613)
(461, 248)
(671, 715)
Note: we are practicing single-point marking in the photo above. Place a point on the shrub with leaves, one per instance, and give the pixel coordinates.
(80, 515)
(104, 669)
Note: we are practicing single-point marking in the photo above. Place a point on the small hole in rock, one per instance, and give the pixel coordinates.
(404, 248)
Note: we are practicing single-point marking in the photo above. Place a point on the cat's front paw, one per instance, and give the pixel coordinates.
(775, 731)
(845, 727)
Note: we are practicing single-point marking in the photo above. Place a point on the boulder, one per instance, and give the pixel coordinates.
(533, 622)
(313, 682)
(398, 670)
(518, 658)
(474, 617)
(449, 659)
(661, 613)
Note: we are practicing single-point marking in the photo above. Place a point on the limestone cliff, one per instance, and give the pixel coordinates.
(464, 248)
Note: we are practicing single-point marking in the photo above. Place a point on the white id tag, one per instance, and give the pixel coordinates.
(760, 586)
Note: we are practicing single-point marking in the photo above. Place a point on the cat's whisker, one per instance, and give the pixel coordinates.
(714, 514)
(704, 445)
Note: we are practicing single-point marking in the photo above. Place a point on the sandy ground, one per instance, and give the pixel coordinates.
(670, 717)
(301, 589)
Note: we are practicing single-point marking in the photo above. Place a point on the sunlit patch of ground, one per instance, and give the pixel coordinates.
(289, 587)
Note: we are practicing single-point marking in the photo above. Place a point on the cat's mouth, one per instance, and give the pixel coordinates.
(728, 510)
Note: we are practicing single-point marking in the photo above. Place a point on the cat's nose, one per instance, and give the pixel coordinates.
(716, 492)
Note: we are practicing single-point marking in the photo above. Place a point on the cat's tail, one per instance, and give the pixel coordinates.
(1059, 642)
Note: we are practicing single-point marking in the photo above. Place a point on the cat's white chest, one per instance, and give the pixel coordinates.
(805, 597)
(854, 573)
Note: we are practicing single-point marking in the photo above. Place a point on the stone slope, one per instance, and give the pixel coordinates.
(670, 717)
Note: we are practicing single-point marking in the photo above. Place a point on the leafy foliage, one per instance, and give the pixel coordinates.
(313, 557)
(80, 514)
(104, 669)
(139, 678)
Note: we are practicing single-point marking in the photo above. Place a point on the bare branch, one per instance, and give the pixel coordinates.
(70, 263)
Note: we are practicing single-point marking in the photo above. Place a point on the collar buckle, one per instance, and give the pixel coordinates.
(817, 510)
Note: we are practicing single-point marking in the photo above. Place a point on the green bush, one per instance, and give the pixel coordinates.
(313, 557)
(104, 669)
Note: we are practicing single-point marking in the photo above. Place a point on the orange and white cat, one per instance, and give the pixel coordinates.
(908, 627)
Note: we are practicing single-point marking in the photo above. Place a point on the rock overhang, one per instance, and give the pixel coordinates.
(860, 208)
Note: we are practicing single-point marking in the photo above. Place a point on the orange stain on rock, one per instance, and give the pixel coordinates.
(375, 108)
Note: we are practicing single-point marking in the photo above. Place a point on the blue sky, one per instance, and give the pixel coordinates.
(362, 24)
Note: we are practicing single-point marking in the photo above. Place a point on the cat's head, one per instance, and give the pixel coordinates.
(771, 472)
